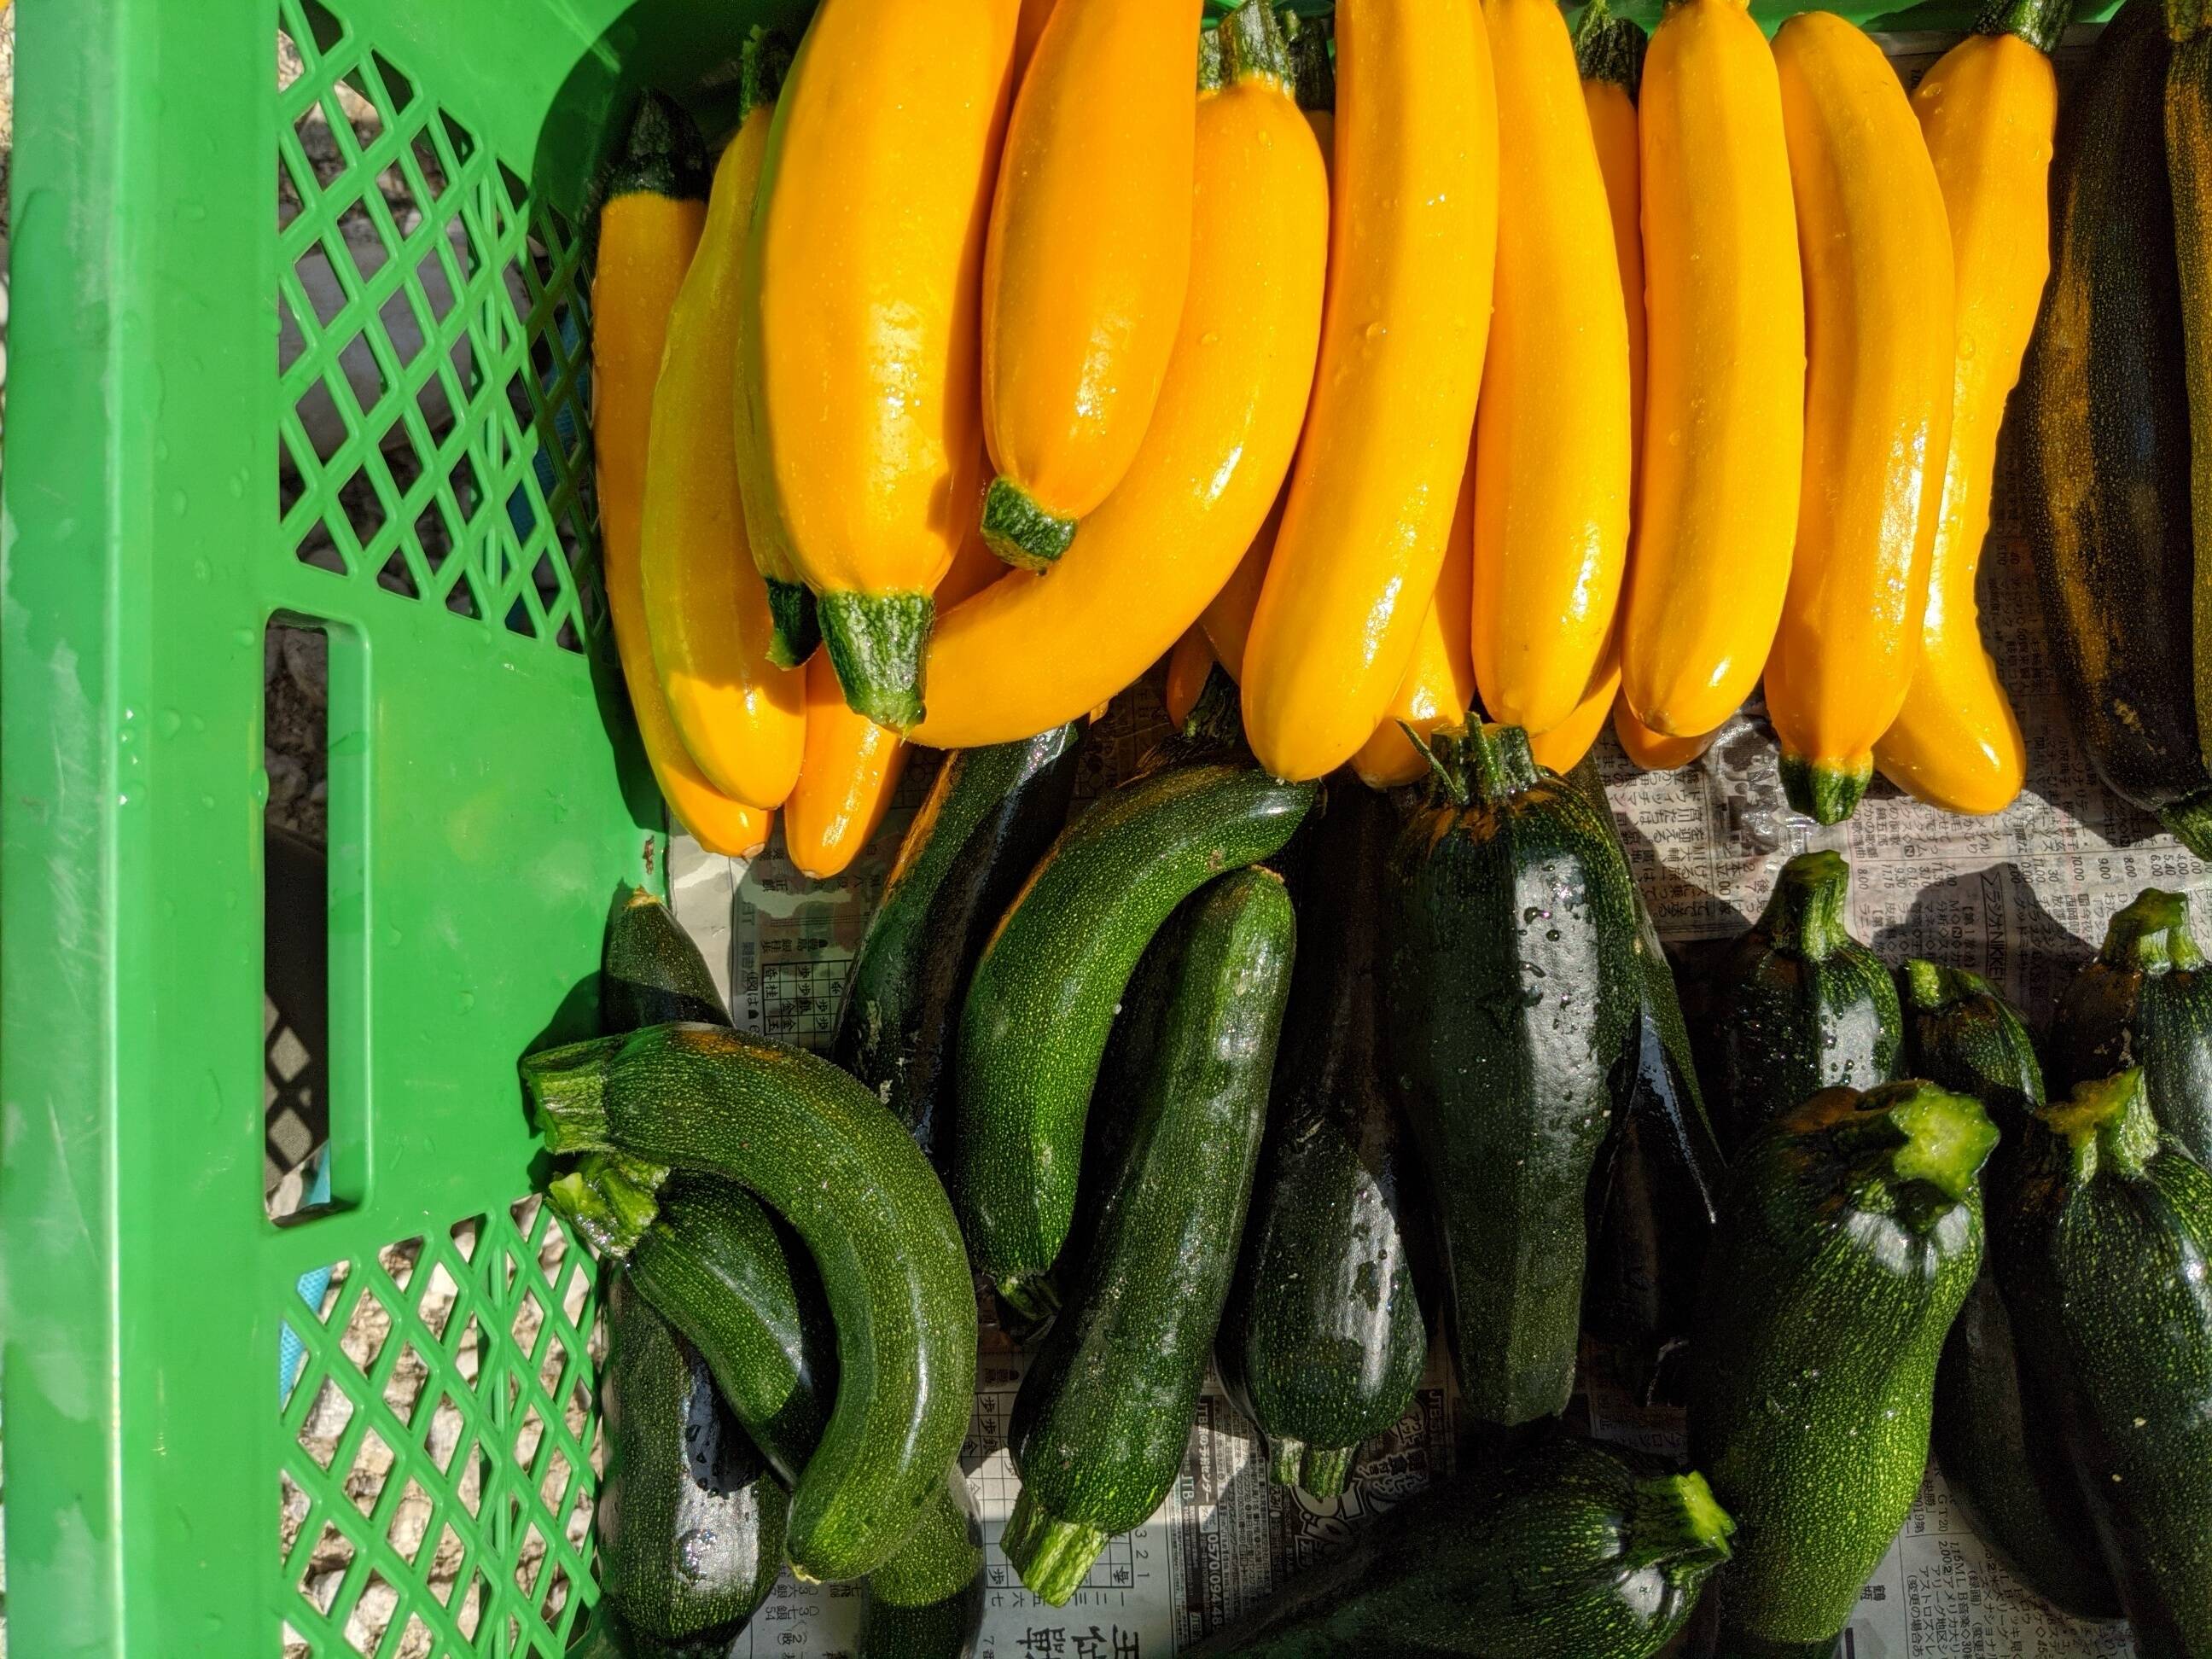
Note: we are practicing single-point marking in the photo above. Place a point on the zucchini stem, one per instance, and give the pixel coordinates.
(1020, 531)
(1610, 48)
(1931, 987)
(1312, 41)
(1676, 1517)
(663, 155)
(1051, 1555)
(567, 1088)
(1948, 1137)
(1805, 915)
(2039, 22)
(764, 62)
(1826, 792)
(2106, 1119)
(1253, 47)
(2152, 936)
(2191, 823)
(876, 643)
(610, 1199)
(794, 630)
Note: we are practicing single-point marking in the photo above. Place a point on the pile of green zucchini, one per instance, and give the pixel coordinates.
(1277, 1077)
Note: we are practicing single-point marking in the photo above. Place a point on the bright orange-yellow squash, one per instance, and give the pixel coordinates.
(1412, 249)
(1438, 686)
(1028, 31)
(1989, 110)
(1609, 52)
(1563, 747)
(862, 280)
(1034, 651)
(1552, 453)
(1188, 665)
(1724, 372)
(1090, 250)
(655, 209)
(742, 718)
(1228, 618)
(1655, 751)
(1877, 255)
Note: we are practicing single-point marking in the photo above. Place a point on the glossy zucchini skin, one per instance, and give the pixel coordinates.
(650, 972)
(1106, 1407)
(1034, 1026)
(820, 1151)
(2106, 438)
(1324, 1336)
(1851, 1231)
(690, 1520)
(1569, 1551)
(2104, 1255)
(1512, 986)
(1796, 1006)
(988, 817)
(2145, 1000)
(1992, 1432)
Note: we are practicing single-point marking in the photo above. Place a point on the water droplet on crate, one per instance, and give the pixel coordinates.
(169, 723)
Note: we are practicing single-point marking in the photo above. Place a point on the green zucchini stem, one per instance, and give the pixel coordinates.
(1019, 531)
(1253, 47)
(1948, 1137)
(610, 1199)
(1805, 915)
(2190, 821)
(1823, 791)
(794, 630)
(2107, 1120)
(877, 643)
(1312, 41)
(1326, 1470)
(1931, 987)
(2152, 936)
(567, 1088)
(2183, 18)
(1610, 48)
(2039, 22)
(1034, 1299)
(764, 62)
(662, 155)
(1676, 1517)
(1051, 1555)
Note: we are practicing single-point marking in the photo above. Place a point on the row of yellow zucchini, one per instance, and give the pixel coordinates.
(1487, 385)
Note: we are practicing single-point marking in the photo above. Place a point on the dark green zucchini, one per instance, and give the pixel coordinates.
(1571, 1551)
(2103, 1252)
(823, 1153)
(1323, 1337)
(1850, 1232)
(2145, 1000)
(1106, 1408)
(2107, 438)
(1794, 1005)
(1991, 1432)
(611, 1638)
(690, 1519)
(650, 972)
(1512, 986)
(1044, 995)
(988, 817)
(1654, 1200)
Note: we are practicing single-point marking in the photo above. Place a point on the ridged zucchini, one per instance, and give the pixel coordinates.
(1571, 1551)
(1794, 1006)
(1849, 1234)
(990, 815)
(2107, 439)
(823, 1152)
(1512, 985)
(1043, 994)
(690, 1519)
(1324, 1336)
(2103, 1253)
(1106, 1408)
(1993, 1434)
(2145, 1000)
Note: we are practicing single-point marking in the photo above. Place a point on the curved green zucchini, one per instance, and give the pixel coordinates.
(1323, 1337)
(690, 1520)
(1992, 1433)
(823, 1153)
(2145, 1000)
(1043, 996)
(650, 972)
(1512, 986)
(1571, 1551)
(2107, 439)
(1797, 1006)
(1106, 1408)
(2104, 1253)
(990, 815)
(1850, 1233)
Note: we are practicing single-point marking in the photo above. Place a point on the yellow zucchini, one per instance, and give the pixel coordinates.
(863, 279)
(1438, 687)
(1655, 751)
(1029, 29)
(1724, 372)
(1411, 252)
(1034, 651)
(1990, 111)
(1878, 293)
(654, 211)
(1563, 747)
(742, 718)
(1089, 254)
(1552, 448)
(846, 782)
(1228, 616)
(1188, 665)
(1609, 52)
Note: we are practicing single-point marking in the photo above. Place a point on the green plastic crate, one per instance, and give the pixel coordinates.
(486, 798)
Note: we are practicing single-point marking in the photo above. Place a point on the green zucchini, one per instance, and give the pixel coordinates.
(1992, 1433)
(690, 1519)
(1044, 993)
(2107, 438)
(650, 972)
(1794, 1005)
(1323, 1337)
(1105, 1411)
(823, 1153)
(2189, 177)
(1851, 1230)
(2145, 1000)
(990, 815)
(2103, 1251)
(1512, 986)
(1569, 1551)
(611, 1638)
